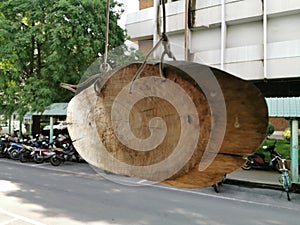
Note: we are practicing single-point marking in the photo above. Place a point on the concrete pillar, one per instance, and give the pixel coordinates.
(156, 29)
(294, 144)
(9, 126)
(187, 32)
(51, 130)
(265, 37)
(223, 33)
(20, 127)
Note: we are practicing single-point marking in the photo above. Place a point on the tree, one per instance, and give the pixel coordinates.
(44, 43)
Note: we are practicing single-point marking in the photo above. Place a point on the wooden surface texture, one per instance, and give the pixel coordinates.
(187, 130)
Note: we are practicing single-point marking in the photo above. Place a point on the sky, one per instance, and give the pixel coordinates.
(129, 6)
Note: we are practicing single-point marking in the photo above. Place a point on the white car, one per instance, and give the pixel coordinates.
(59, 125)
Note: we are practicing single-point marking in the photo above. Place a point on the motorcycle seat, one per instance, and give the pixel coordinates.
(257, 154)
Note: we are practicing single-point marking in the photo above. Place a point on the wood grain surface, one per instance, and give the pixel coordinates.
(187, 130)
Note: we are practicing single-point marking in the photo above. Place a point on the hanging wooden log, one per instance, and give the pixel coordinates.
(187, 130)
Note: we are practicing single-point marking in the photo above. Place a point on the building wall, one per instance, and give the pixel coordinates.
(145, 45)
(280, 124)
(242, 29)
(146, 4)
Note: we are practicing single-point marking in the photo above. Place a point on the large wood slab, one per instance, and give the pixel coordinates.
(187, 130)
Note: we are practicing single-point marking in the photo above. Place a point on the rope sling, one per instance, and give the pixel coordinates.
(104, 67)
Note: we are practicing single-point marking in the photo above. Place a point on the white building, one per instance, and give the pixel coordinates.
(257, 40)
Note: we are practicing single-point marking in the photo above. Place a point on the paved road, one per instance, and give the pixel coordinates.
(42, 194)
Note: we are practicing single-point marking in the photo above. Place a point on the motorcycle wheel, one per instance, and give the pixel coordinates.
(2, 155)
(38, 159)
(23, 158)
(246, 166)
(14, 154)
(55, 161)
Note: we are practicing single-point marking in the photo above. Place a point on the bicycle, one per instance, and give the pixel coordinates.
(285, 179)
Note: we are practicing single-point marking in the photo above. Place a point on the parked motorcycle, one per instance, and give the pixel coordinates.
(42, 155)
(4, 144)
(257, 160)
(14, 150)
(67, 153)
(26, 154)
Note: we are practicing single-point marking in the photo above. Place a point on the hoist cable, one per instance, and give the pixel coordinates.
(167, 50)
(164, 17)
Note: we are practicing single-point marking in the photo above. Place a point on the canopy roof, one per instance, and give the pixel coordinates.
(55, 109)
(284, 107)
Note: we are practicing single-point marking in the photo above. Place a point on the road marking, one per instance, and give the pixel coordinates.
(141, 181)
(40, 164)
(18, 217)
(144, 182)
(9, 221)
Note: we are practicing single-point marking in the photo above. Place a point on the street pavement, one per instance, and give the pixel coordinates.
(248, 178)
(78, 194)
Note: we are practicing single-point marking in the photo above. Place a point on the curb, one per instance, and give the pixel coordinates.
(295, 186)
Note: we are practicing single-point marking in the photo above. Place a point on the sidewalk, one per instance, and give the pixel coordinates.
(258, 178)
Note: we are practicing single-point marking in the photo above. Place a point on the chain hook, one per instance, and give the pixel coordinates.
(167, 47)
(105, 67)
(167, 51)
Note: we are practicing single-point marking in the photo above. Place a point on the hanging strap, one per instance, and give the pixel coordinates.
(104, 67)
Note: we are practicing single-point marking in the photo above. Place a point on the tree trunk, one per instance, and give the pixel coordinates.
(187, 130)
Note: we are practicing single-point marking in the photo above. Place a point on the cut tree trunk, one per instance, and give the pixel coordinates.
(186, 130)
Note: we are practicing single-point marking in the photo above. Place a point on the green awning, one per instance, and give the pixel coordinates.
(55, 109)
(284, 107)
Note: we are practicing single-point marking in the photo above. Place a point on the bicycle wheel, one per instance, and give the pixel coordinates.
(286, 182)
(247, 165)
(288, 196)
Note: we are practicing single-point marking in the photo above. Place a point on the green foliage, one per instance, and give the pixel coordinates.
(270, 130)
(44, 43)
(282, 147)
